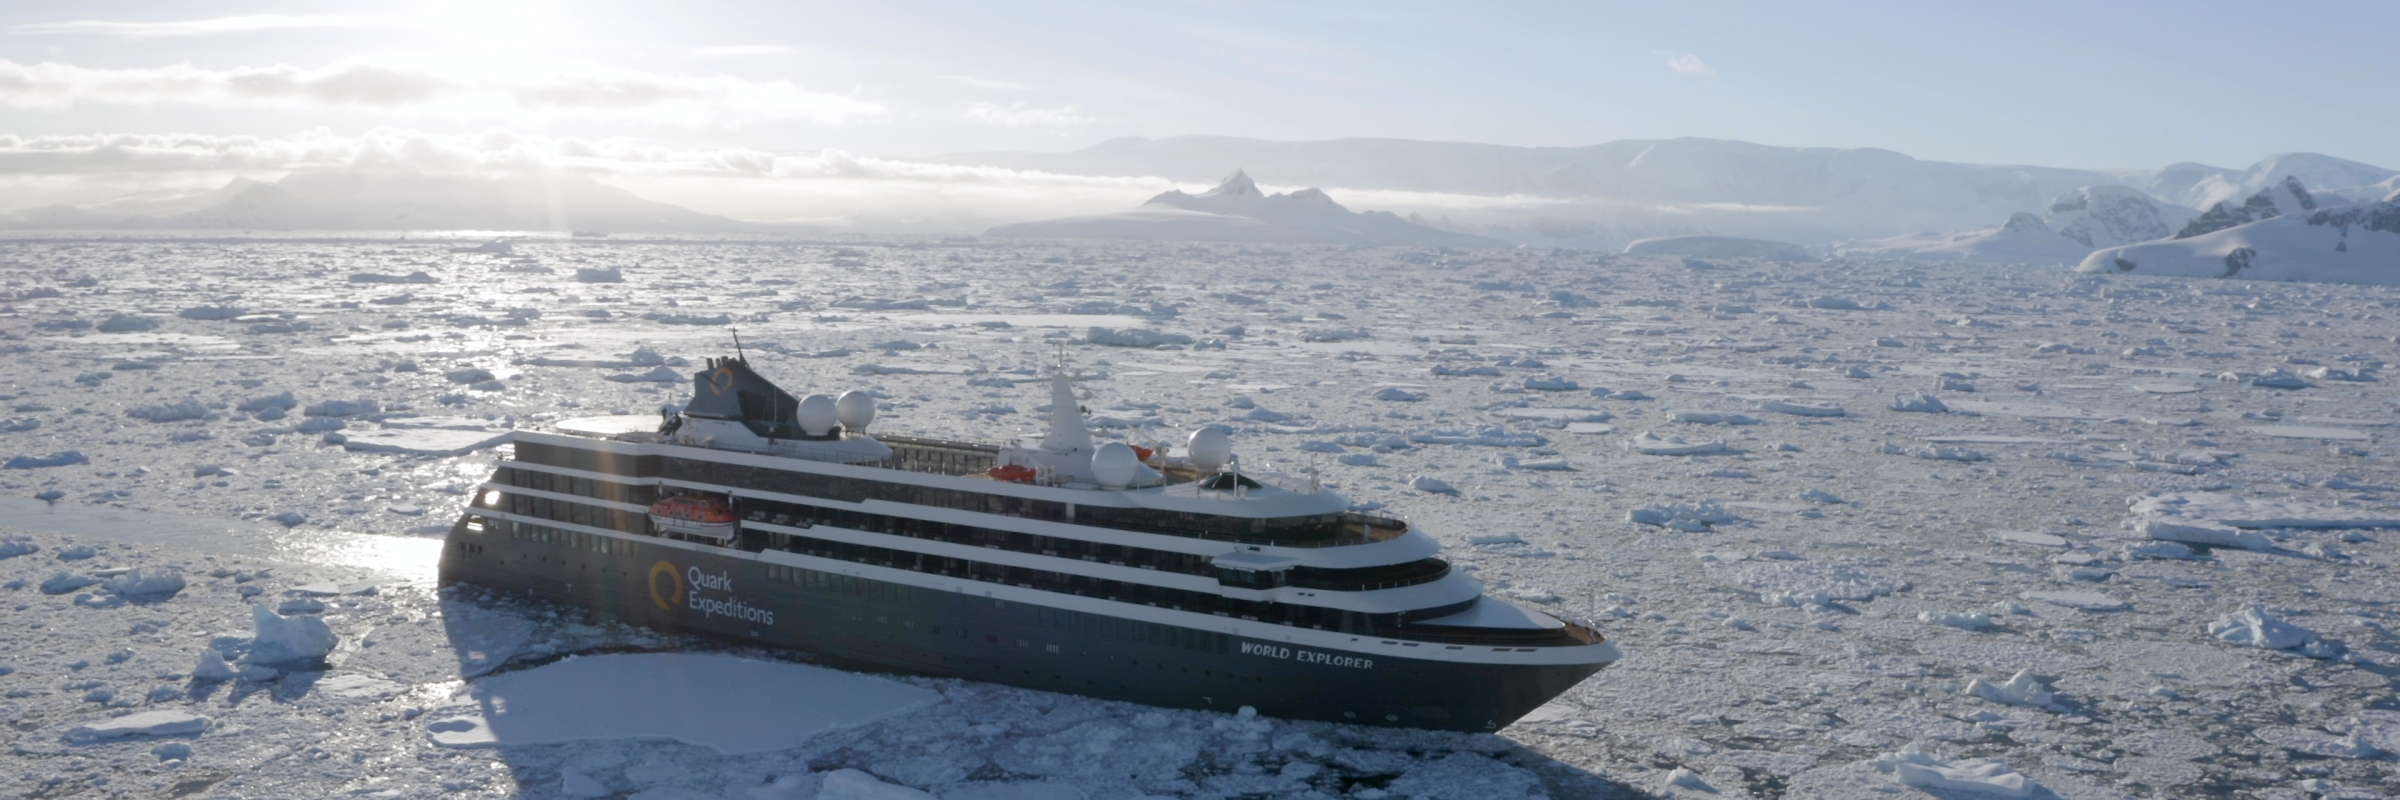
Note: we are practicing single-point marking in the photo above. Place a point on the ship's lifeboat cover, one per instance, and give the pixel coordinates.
(704, 510)
(1013, 472)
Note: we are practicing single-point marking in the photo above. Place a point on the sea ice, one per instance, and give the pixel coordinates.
(1431, 485)
(851, 784)
(2022, 689)
(1804, 583)
(165, 722)
(1688, 517)
(1397, 394)
(658, 374)
(424, 441)
(1133, 337)
(1713, 418)
(1801, 409)
(1914, 767)
(676, 696)
(212, 667)
(146, 582)
(2248, 512)
(1919, 402)
(283, 639)
(1487, 437)
(65, 582)
(2253, 627)
(2086, 601)
(1651, 444)
(1976, 621)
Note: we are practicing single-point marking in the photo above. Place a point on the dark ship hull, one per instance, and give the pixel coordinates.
(836, 610)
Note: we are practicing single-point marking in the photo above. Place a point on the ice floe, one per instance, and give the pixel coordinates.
(678, 696)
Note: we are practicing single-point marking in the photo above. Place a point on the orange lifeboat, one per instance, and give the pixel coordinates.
(695, 515)
(1014, 472)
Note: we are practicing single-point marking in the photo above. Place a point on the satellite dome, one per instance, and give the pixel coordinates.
(818, 415)
(855, 409)
(1211, 448)
(1114, 465)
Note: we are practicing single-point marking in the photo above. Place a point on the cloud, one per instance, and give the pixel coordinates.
(984, 83)
(190, 27)
(404, 89)
(1686, 64)
(743, 50)
(1019, 115)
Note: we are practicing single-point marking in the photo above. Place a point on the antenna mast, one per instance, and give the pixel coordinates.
(737, 346)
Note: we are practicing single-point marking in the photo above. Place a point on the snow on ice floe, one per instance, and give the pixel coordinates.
(1801, 409)
(280, 639)
(2225, 509)
(1912, 766)
(2254, 627)
(2321, 432)
(2021, 689)
(424, 441)
(1651, 444)
(679, 696)
(1687, 517)
(1807, 583)
(140, 724)
(2078, 599)
(1919, 402)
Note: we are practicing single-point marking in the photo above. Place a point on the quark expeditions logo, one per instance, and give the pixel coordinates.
(689, 589)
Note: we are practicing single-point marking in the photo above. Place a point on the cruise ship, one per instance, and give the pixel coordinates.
(1054, 563)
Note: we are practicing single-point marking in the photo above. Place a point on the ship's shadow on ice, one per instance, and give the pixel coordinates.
(788, 721)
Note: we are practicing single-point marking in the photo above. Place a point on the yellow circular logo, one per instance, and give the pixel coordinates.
(671, 595)
(721, 380)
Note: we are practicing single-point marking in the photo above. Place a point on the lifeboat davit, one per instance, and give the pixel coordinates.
(695, 515)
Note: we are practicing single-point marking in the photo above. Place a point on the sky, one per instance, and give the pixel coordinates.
(103, 97)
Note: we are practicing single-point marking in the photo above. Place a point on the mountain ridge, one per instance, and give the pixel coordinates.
(1236, 210)
(379, 200)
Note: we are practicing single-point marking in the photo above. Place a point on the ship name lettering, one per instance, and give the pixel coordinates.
(1306, 656)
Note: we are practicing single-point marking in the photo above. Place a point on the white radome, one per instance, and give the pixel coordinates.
(818, 413)
(855, 409)
(1211, 449)
(1114, 465)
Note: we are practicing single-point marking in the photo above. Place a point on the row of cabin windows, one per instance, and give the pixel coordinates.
(634, 522)
(1074, 622)
(1120, 591)
(1312, 530)
(1353, 579)
(894, 594)
(879, 591)
(577, 540)
(638, 494)
(1046, 580)
(801, 515)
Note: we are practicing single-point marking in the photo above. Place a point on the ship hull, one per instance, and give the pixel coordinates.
(845, 613)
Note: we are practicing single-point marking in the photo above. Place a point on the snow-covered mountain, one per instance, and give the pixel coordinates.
(1236, 211)
(2350, 243)
(365, 200)
(2107, 216)
(2074, 224)
(1610, 194)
